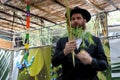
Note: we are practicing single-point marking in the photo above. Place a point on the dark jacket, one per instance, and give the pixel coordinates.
(80, 71)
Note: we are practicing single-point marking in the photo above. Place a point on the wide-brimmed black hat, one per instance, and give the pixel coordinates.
(83, 12)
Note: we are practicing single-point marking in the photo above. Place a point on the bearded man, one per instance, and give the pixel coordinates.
(88, 61)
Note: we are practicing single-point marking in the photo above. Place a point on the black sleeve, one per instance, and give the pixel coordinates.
(58, 56)
(99, 63)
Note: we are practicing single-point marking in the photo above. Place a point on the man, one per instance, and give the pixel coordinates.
(87, 61)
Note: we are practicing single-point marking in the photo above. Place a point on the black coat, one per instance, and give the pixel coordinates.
(80, 71)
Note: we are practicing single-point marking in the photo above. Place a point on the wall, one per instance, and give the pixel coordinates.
(5, 44)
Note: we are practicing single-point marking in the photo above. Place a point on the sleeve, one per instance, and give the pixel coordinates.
(99, 63)
(58, 56)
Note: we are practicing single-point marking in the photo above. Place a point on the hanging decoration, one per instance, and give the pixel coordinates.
(25, 63)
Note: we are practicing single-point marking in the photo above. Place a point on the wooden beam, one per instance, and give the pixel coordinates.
(13, 7)
(113, 4)
(47, 12)
(91, 3)
(12, 26)
(14, 22)
(19, 18)
(59, 3)
(2, 31)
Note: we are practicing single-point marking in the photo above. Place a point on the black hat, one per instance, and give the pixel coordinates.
(84, 13)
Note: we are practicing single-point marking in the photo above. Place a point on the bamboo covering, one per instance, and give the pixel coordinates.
(47, 12)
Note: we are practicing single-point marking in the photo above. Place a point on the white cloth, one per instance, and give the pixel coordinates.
(78, 42)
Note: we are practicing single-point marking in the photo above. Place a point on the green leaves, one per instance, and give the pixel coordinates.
(90, 39)
(80, 33)
(77, 32)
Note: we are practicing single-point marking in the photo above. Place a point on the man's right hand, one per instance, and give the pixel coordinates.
(70, 46)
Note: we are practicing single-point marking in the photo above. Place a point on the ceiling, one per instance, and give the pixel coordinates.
(45, 13)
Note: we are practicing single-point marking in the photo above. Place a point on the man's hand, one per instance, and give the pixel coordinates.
(84, 57)
(71, 45)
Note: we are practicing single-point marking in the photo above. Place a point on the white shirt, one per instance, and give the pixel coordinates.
(78, 42)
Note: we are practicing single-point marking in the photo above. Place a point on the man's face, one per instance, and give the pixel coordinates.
(77, 21)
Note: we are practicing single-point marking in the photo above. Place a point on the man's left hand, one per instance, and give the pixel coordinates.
(84, 57)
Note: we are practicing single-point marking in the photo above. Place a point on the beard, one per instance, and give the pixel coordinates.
(83, 26)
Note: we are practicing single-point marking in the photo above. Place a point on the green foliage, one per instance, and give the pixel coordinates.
(80, 33)
(77, 32)
(39, 37)
(56, 72)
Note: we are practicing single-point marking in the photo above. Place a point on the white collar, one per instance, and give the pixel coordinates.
(78, 42)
